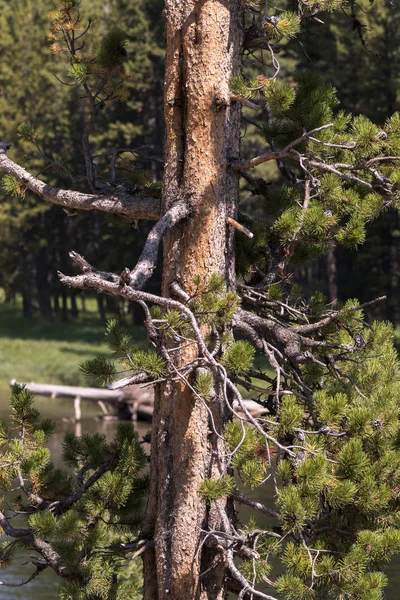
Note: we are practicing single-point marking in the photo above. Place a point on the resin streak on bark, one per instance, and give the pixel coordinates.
(204, 47)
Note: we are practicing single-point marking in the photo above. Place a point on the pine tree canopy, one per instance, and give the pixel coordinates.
(231, 324)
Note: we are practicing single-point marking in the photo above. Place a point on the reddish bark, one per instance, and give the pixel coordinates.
(204, 47)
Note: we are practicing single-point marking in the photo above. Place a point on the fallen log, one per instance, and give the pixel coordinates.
(70, 391)
(133, 402)
(129, 403)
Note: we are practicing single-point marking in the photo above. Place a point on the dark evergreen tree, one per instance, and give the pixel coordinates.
(359, 55)
(36, 239)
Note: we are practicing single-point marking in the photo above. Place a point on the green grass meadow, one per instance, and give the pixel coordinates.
(34, 350)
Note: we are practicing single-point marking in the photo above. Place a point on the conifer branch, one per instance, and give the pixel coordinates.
(15, 532)
(43, 548)
(39, 568)
(59, 507)
(279, 154)
(115, 202)
(312, 327)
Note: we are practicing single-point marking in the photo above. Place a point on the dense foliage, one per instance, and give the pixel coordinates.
(78, 518)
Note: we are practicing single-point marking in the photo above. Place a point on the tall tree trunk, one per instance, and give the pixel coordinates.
(331, 270)
(64, 305)
(42, 285)
(56, 303)
(74, 305)
(27, 308)
(203, 51)
(101, 309)
(83, 301)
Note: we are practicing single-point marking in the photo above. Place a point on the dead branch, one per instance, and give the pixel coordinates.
(148, 259)
(239, 497)
(39, 568)
(115, 202)
(240, 227)
(279, 154)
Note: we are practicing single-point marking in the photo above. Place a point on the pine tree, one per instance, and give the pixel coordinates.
(328, 435)
(80, 519)
(34, 234)
(360, 57)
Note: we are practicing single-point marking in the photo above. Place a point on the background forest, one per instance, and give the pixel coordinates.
(361, 59)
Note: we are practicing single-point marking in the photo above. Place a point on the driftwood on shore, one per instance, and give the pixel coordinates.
(133, 402)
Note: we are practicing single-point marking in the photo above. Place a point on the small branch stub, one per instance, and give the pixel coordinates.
(239, 227)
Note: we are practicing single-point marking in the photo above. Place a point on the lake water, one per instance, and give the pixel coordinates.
(45, 586)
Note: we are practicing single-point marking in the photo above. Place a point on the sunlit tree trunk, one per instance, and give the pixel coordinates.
(203, 51)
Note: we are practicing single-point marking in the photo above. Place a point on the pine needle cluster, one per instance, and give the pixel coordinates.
(77, 519)
(100, 70)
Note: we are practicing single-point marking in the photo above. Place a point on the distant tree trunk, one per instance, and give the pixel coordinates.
(112, 305)
(136, 313)
(203, 51)
(56, 303)
(331, 270)
(27, 307)
(74, 306)
(64, 305)
(83, 301)
(25, 283)
(121, 310)
(42, 285)
(100, 308)
(9, 296)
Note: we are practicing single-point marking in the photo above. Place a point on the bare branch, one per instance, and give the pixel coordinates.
(246, 587)
(330, 169)
(113, 285)
(279, 154)
(39, 568)
(258, 160)
(245, 102)
(306, 135)
(148, 259)
(137, 378)
(239, 497)
(121, 203)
